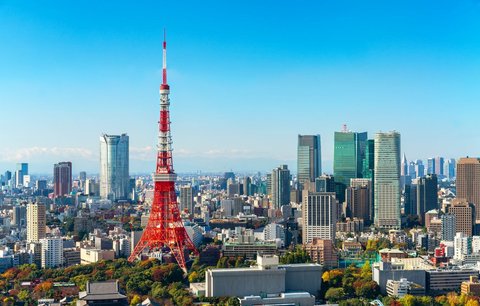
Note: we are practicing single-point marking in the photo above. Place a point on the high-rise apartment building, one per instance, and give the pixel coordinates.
(36, 222)
(359, 199)
(114, 167)
(449, 226)
(52, 252)
(464, 216)
(387, 180)
(186, 198)
(427, 195)
(319, 213)
(19, 217)
(349, 153)
(309, 158)
(62, 179)
(468, 182)
(280, 186)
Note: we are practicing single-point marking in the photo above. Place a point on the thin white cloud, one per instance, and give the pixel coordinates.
(34, 153)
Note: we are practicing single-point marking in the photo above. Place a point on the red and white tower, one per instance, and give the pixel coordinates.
(165, 230)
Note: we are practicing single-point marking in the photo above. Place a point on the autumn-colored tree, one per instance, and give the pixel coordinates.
(43, 287)
(136, 300)
(452, 299)
(472, 302)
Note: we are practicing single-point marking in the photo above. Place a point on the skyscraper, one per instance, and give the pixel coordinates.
(419, 168)
(410, 200)
(247, 186)
(280, 186)
(368, 163)
(114, 166)
(431, 166)
(36, 222)
(404, 168)
(427, 195)
(464, 216)
(319, 216)
(309, 158)
(186, 198)
(411, 170)
(62, 179)
(387, 180)
(22, 169)
(448, 227)
(439, 164)
(450, 166)
(19, 217)
(468, 182)
(349, 153)
(359, 199)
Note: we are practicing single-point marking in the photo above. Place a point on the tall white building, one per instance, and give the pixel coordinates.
(319, 213)
(462, 245)
(52, 252)
(36, 222)
(387, 180)
(274, 231)
(114, 160)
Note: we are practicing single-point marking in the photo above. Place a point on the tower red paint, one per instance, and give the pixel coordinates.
(165, 230)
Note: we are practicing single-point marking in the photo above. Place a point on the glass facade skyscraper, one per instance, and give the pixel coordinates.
(387, 180)
(280, 186)
(114, 167)
(309, 158)
(349, 153)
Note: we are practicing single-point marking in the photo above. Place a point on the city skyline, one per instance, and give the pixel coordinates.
(102, 76)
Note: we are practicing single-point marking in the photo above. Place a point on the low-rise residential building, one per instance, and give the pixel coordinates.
(403, 287)
(322, 251)
(91, 255)
(471, 287)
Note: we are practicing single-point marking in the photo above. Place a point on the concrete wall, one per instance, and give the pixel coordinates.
(306, 277)
(416, 276)
(233, 282)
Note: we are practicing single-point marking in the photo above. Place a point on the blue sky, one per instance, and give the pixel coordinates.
(246, 78)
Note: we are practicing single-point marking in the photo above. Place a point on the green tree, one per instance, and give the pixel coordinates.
(23, 295)
(334, 294)
(366, 272)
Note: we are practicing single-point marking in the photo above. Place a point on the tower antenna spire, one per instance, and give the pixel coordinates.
(164, 70)
(165, 231)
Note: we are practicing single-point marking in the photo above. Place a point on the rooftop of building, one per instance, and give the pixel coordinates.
(108, 290)
(391, 251)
